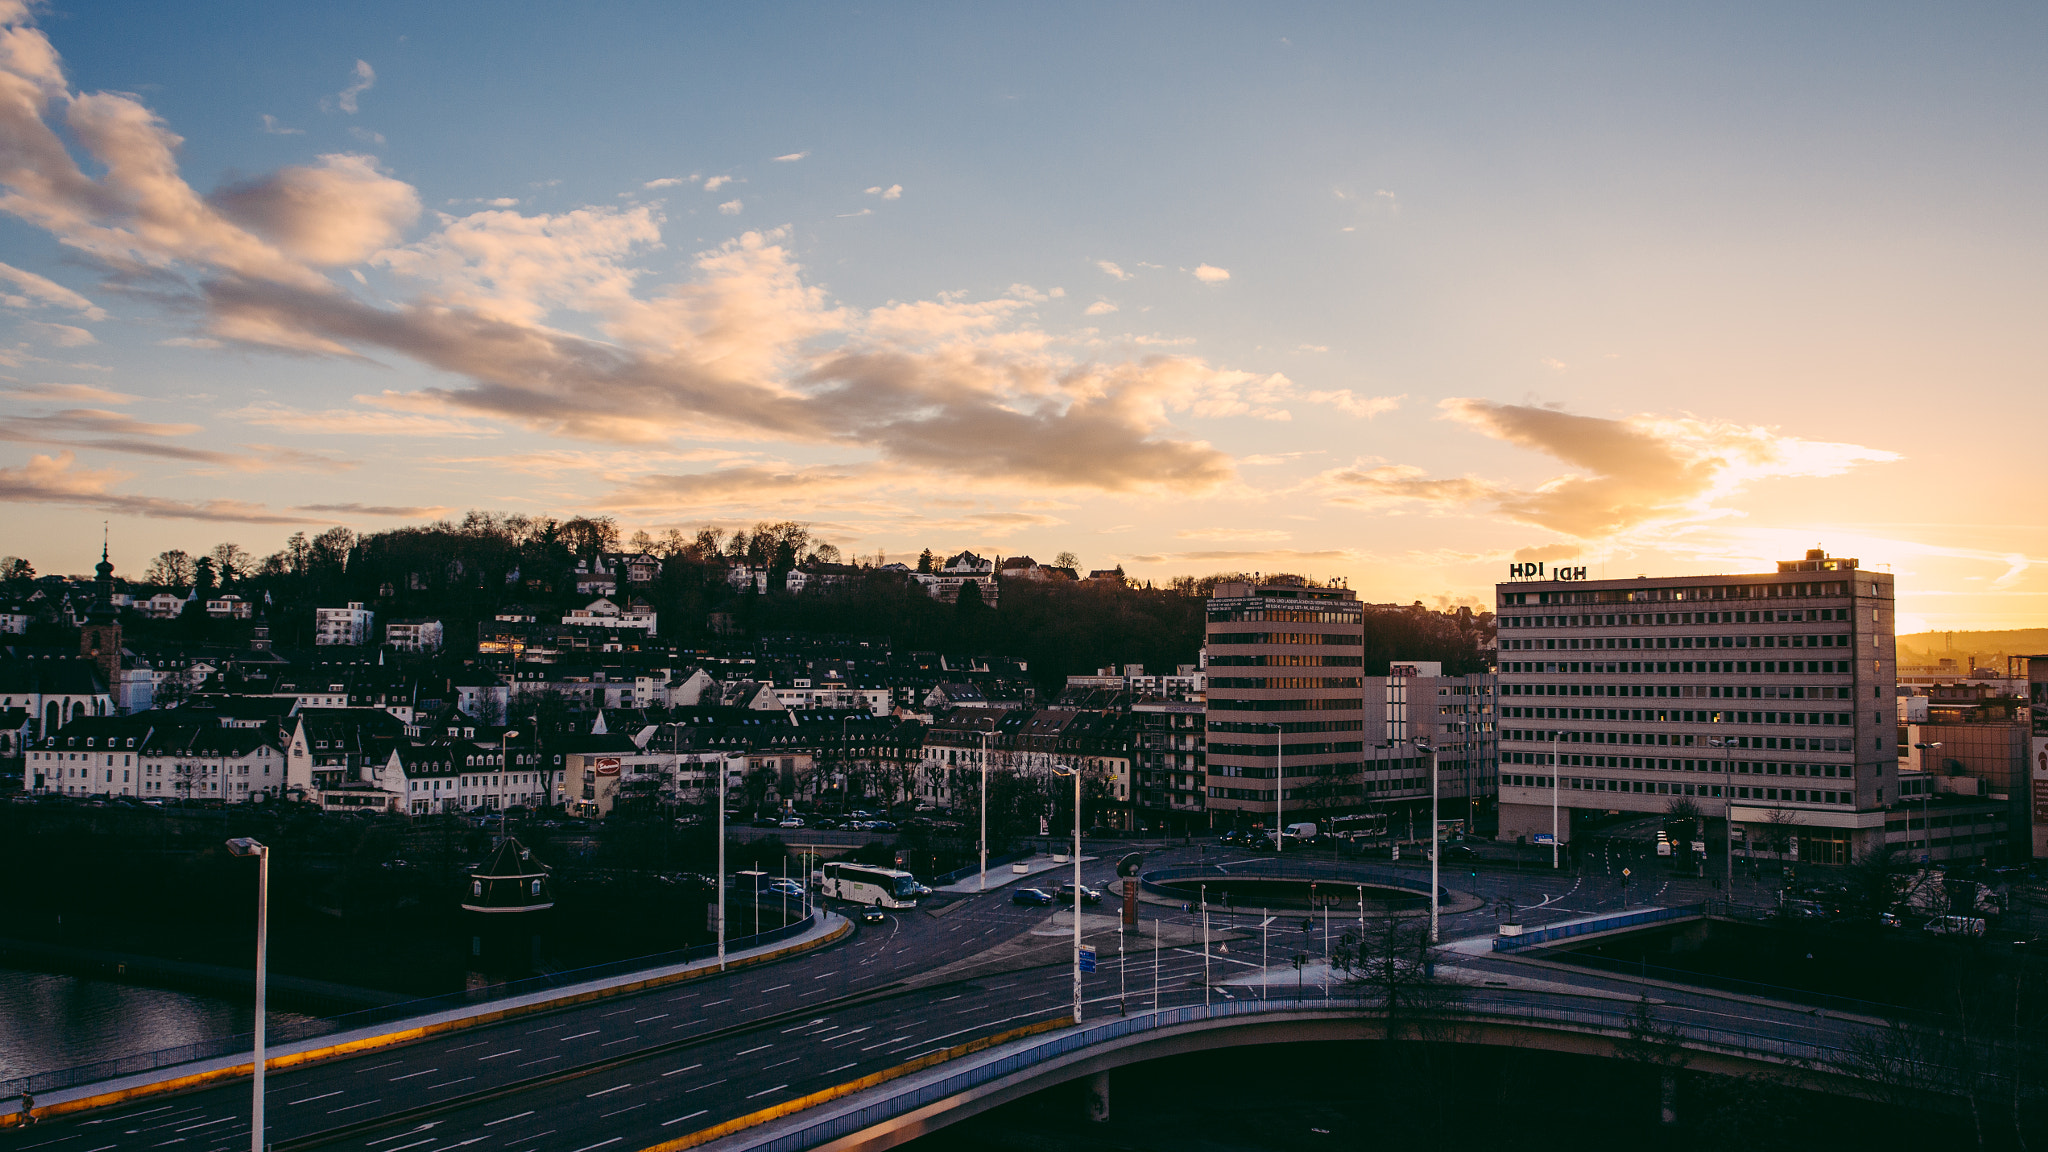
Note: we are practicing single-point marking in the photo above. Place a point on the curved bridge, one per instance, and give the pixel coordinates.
(894, 1112)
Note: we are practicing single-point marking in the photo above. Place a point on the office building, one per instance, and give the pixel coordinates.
(1284, 697)
(1415, 703)
(1766, 700)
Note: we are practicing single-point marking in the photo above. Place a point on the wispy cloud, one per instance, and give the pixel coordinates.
(381, 511)
(668, 182)
(792, 157)
(716, 182)
(731, 207)
(1112, 268)
(1351, 404)
(271, 125)
(34, 289)
(363, 79)
(56, 480)
(1211, 274)
(892, 192)
(1099, 308)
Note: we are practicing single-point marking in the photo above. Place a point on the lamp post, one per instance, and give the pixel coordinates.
(1060, 770)
(1434, 900)
(984, 811)
(1279, 782)
(1553, 799)
(504, 763)
(244, 846)
(719, 763)
(1724, 743)
(1927, 798)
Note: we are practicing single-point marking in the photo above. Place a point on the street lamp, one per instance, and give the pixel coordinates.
(719, 763)
(1059, 770)
(1926, 814)
(984, 811)
(1427, 746)
(1553, 798)
(1724, 743)
(504, 763)
(244, 846)
(1279, 782)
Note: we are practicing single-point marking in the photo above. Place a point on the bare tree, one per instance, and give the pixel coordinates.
(1393, 964)
(172, 569)
(1779, 824)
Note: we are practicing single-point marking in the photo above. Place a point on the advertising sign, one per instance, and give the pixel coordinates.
(607, 765)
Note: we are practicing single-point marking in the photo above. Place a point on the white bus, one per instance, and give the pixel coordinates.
(871, 886)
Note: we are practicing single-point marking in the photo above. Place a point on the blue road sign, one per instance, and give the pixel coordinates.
(1087, 958)
(1543, 838)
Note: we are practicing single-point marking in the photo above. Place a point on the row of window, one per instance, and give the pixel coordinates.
(1692, 667)
(1690, 740)
(1285, 660)
(1709, 592)
(1289, 749)
(1673, 788)
(1348, 640)
(1685, 716)
(1655, 764)
(1649, 619)
(1270, 682)
(1339, 704)
(1284, 616)
(1618, 643)
(1295, 726)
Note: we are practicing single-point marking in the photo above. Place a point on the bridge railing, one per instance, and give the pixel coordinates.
(284, 1032)
(1613, 923)
(1470, 1005)
(1155, 880)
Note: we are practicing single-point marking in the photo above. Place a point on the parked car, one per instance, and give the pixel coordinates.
(1038, 897)
(791, 822)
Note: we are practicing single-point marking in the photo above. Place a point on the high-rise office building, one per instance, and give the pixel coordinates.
(1766, 699)
(1285, 662)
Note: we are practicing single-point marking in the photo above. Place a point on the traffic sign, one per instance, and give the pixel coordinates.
(1087, 958)
(1625, 873)
(1545, 838)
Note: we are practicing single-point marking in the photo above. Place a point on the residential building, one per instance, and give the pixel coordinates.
(55, 692)
(351, 627)
(962, 570)
(1169, 765)
(229, 607)
(603, 613)
(1285, 710)
(1766, 699)
(413, 635)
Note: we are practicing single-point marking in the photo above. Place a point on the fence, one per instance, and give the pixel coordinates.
(1482, 1007)
(1603, 924)
(286, 1033)
(1155, 880)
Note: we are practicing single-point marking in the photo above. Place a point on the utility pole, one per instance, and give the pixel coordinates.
(1434, 893)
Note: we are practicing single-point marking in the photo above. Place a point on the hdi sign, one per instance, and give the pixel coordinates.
(1534, 569)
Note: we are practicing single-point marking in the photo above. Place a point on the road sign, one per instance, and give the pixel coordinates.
(1087, 958)
(1545, 838)
(1625, 873)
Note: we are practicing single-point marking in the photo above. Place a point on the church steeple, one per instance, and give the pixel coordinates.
(100, 639)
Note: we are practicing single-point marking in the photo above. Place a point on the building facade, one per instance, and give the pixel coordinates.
(1285, 710)
(1765, 699)
(352, 626)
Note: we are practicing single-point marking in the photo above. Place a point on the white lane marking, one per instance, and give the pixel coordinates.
(716, 1003)
(841, 1068)
(824, 975)
(414, 1144)
(765, 1091)
(467, 1047)
(413, 1131)
(644, 1020)
(550, 1028)
(804, 1025)
(680, 1119)
(751, 1051)
(616, 1012)
(680, 1071)
(310, 1099)
(607, 1091)
(620, 1040)
(410, 1075)
(777, 988)
(622, 1111)
(542, 1060)
(872, 1047)
(701, 1087)
(772, 1067)
(495, 1055)
(599, 1144)
(580, 1035)
(201, 1124)
(445, 1083)
(375, 1067)
(515, 1116)
(353, 1107)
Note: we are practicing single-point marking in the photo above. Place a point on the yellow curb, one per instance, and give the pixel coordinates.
(405, 1035)
(825, 1095)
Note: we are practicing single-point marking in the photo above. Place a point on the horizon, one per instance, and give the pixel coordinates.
(1399, 298)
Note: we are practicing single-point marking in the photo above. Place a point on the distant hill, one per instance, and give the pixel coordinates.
(1990, 648)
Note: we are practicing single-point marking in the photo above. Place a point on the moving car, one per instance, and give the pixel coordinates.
(786, 888)
(1065, 893)
(1034, 896)
(873, 916)
(791, 822)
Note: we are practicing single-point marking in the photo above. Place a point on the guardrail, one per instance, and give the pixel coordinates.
(1480, 1006)
(282, 1032)
(1154, 879)
(1603, 924)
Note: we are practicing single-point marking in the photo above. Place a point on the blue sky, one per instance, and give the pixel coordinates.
(1391, 293)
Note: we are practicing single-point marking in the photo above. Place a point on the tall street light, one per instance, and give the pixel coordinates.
(1429, 747)
(504, 765)
(984, 811)
(1926, 813)
(1553, 798)
(1724, 743)
(1061, 770)
(1279, 783)
(718, 764)
(244, 846)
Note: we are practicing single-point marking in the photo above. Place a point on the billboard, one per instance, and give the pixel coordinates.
(607, 765)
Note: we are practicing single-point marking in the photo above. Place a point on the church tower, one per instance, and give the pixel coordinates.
(100, 639)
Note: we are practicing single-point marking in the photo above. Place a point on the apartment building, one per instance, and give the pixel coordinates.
(1766, 699)
(1416, 705)
(1285, 714)
(1168, 754)
(352, 626)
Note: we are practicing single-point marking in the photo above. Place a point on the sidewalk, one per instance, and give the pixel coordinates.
(1008, 874)
(175, 1077)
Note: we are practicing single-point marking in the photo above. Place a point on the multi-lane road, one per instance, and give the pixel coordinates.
(631, 1071)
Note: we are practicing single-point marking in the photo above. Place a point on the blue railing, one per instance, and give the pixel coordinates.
(287, 1032)
(910, 1098)
(1602, 924)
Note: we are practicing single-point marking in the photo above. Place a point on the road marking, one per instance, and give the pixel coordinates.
(620, 1040)
(353, 1107)
(495, 1055)
(645, 1019)
(542, 1060)
(607, 1091)
(622, 1111)
(954, 996)
(765, 1091)
(310, 1099)
(841, 1068)
(550, 1028)
(804, 1025)
(375, 1067)
(680, 1119)
(716, 1003)
(872, 1047)
(165, 1144)
(824, 976)
(414, 1131)
(467, 1047)
(203, 1124)
(777, 988)
(772, 1067)
(466, 1143)
(515, 1116)
(701, 1087)
(751, 1051)
(588, 1147)
(445, 1083)
(414, 1144)
(617, 1012)
(410, 1075)
(579, 1036)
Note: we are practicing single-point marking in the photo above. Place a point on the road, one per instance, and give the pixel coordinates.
(631, 1071)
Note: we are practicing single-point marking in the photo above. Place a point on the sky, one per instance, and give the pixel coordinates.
(1399, 294)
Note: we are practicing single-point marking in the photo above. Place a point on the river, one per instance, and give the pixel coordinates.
(48, 1022)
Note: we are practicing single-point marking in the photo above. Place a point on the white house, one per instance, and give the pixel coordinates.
(229, 607)
(351, 626)
(602, 613)
(413, 635)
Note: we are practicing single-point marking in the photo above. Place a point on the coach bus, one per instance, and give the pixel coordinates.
(871, 886)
